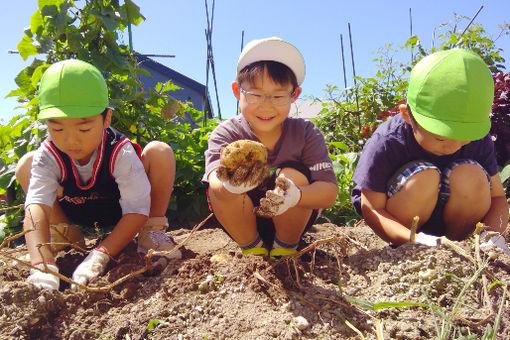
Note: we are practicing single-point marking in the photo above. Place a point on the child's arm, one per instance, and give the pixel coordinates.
(125, 231)
(319, 194)
(373, 208)
(37, 218)
(496, 218)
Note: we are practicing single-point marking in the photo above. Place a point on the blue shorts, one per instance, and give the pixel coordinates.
(435, 224)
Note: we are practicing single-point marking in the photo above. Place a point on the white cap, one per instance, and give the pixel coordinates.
(273, 49)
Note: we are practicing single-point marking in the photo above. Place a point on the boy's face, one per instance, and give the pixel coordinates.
(433, 143)
(78, 137)
(265, 118)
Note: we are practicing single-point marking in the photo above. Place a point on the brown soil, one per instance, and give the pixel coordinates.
(216, 293)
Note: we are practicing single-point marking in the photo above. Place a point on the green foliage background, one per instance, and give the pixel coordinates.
(90, 30)
(350, 116)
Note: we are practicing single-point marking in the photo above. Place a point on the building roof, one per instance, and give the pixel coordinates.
(171, 74)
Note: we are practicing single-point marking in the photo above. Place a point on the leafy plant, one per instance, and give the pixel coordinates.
(91, 30)
(350, 116)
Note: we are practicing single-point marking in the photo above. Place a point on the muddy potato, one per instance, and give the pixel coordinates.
(242, 152)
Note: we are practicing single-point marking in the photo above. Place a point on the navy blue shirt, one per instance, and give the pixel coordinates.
(393, 145)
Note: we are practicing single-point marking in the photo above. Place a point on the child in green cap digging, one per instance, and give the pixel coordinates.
(86, 173)
(436, 159)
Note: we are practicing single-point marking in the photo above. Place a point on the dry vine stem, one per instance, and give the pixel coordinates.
(12, 208)
(113, 284)
(414, 227)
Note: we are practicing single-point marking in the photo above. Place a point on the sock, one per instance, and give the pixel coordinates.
(277, 243)
(257, 242)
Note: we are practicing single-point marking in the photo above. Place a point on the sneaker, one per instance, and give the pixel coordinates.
(276, 253)
(258, 251)
(154, 237)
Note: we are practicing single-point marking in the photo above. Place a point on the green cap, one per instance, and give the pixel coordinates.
(72, 89)
(450, 94)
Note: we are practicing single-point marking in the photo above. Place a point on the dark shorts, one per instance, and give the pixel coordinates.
(435, 224)
(265, 226)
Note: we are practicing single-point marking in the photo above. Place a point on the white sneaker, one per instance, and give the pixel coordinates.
(152, 236)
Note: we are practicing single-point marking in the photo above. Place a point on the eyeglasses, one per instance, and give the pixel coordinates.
(259, 98)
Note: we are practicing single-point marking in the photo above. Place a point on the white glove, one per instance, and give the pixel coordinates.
(93, 266)
(284, 196)
(428, 240)
(495, 240)
(238, 189)
(244, 178)
(44, 280)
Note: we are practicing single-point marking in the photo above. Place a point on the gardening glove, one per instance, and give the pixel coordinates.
(242, 179)
(44, 280)
(491, 238)
(93, 266)
(284, 196)
(428, 240)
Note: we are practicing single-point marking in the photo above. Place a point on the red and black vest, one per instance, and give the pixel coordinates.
(95, 203)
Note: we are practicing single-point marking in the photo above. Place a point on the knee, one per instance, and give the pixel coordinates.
(425, 183)
(295, 175)
(23, 169)
(158, 151)
(469, 180)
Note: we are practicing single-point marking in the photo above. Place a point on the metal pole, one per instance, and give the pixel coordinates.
(411, 33)
(343, 59)
(469, 24)
(212, 62)
(242, 45)
(353, 68)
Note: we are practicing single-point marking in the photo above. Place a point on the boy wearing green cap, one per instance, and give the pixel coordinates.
(436, 159)
(86, 173)
(269, 74)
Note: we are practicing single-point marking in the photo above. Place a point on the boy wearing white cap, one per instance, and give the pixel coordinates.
(269, 73)
(86, 173)
(436, 159)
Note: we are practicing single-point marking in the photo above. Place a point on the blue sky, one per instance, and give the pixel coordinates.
(178, 27)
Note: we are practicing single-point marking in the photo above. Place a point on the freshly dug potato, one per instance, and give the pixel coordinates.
(243, 152)
(243, 162)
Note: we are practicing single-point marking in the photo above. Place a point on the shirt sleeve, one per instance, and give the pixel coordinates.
(372, 171)
(134, 186)
(44, 179)
(316, 156)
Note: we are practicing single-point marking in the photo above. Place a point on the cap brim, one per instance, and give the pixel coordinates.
(70, 112)
(465, 131)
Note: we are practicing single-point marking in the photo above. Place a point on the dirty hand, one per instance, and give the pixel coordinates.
(490, 238)
(93, 266)
(284, 196)
(428, 240)
(244, 178)
(44, 280)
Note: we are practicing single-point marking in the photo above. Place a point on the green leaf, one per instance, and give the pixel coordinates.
(133, 12)
(154, 322)
(505, 173)
(359, 302)
(339, 145)
(26, 48)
